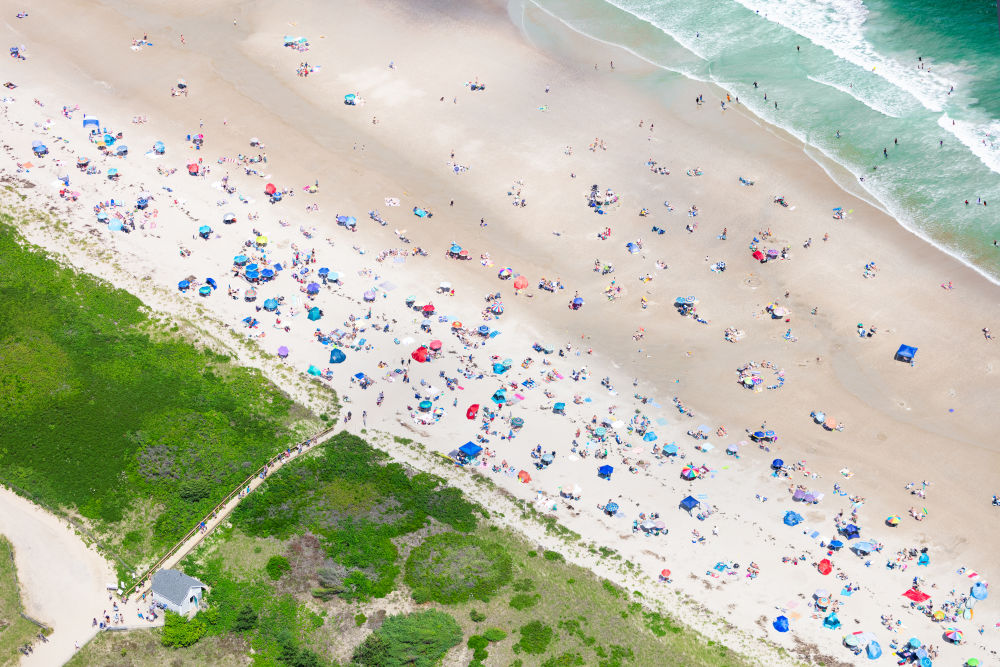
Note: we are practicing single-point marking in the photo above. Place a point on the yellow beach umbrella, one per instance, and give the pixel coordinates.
(261, 240)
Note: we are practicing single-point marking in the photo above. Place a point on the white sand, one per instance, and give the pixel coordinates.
(897, 417)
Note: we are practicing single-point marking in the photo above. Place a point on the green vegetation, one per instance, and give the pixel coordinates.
(15, 631)
(277, 566)
(178, 631)
(450, 567)
(356, 504)
(105, 413)
(419, 639)
(535, 638)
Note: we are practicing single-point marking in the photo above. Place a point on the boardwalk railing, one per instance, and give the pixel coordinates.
(141, 581)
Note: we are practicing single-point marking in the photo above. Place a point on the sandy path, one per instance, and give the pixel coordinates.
(62, 579)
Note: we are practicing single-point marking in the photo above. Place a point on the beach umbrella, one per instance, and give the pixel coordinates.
(504, 273)
(689, 472)
(369, 295)
(312, 288)
(182, 83)
(211, 282)
(324, 271)
(183, 285)
(665, 574)
(670, 449)
(315, 314)
(456, 325)
(240, 260)
(229, 218)
(611, 508)
(116, 225)
(578, 301)
(261, 240)
(337, 356)
(112, 172)
(269, 189)
(605, 471)
(836, 544)
(547, 458)
(204, 230)
(825, 567)
(915, 643)
(314, 371)
(938, 615)
(425, 406)
(954, 635)
(874, 650)
(282, 351)
(267, 273)
(252, 275)
(271, 304)
(777, 464)
(204, 290)
(821, 593)
(517, 422)
(421, 354)
(520, 282)
(649, 437)
(193, 168)
(972, 662)
(830, 423)
(781, 624)
(892, 520)
(102, 216)
(159, 147)
(863, 547)
(435, 345)
(732, 449)
(428, 309)
(979, 591)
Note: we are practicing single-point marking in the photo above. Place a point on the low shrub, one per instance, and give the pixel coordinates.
(451, 568)
(535, 638)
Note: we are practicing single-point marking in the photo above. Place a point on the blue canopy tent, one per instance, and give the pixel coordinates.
(91, 122)
(605, 471)
(121, 149)
(924, 559)
(337, 356)
(781, 624)
(141, 203)
(831, 622)
(315, 314)
(863, 548)
(559, 408)
(689, 503)
(792, 518)
(240, 260)
(906, 353)
(483, 330)
(204, 231)
(669, 449)
(500, 397)
(850, 531)
(979, 591)
(116, 225)
(470, 450)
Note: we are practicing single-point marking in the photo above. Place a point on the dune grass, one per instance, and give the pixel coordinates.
(108, 413)
(15, 631)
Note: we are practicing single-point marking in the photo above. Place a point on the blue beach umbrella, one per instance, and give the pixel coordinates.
(271, 304)
(204, 290)
(267, 273)
(252, 275)
(252, 267)
(240, 260)
(183, 285)
(312, 288)
(211, 282)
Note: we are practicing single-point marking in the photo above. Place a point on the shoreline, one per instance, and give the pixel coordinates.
(895, 430)
(846, 180)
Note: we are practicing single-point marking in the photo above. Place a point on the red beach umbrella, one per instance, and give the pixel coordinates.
(520, 282)
(472, 411)
(825, 567)
(428, 309)
(435, 345)
(420, 354)
(269, 189)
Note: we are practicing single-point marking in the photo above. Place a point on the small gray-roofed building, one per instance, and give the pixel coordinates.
(177, 591)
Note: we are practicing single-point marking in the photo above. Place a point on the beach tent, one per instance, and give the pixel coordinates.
(850, 531)
(906, 353)
(282, 351)
(873, 650)
(116, 225)
(781, 624)
(315, 314)
(649, 437)
(689, 503)
(979, 591)
(863, 548)
(337, 356)
(91, 122)
(524, 477)
(924, 559)
(831, 622)
(605, 471)
(559, 408)
(470, 450)
(369, 295)
(314, 371)
(121, 149)
(792, 518)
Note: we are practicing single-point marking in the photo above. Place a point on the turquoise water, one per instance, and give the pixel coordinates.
(855, 70)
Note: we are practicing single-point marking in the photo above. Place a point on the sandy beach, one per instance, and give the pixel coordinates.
(507, 172)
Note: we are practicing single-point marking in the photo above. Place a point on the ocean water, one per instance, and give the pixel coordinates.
(923, 73)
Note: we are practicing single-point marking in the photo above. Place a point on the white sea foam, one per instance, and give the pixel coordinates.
(838, 26)
(892, 105)
(983, 139)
